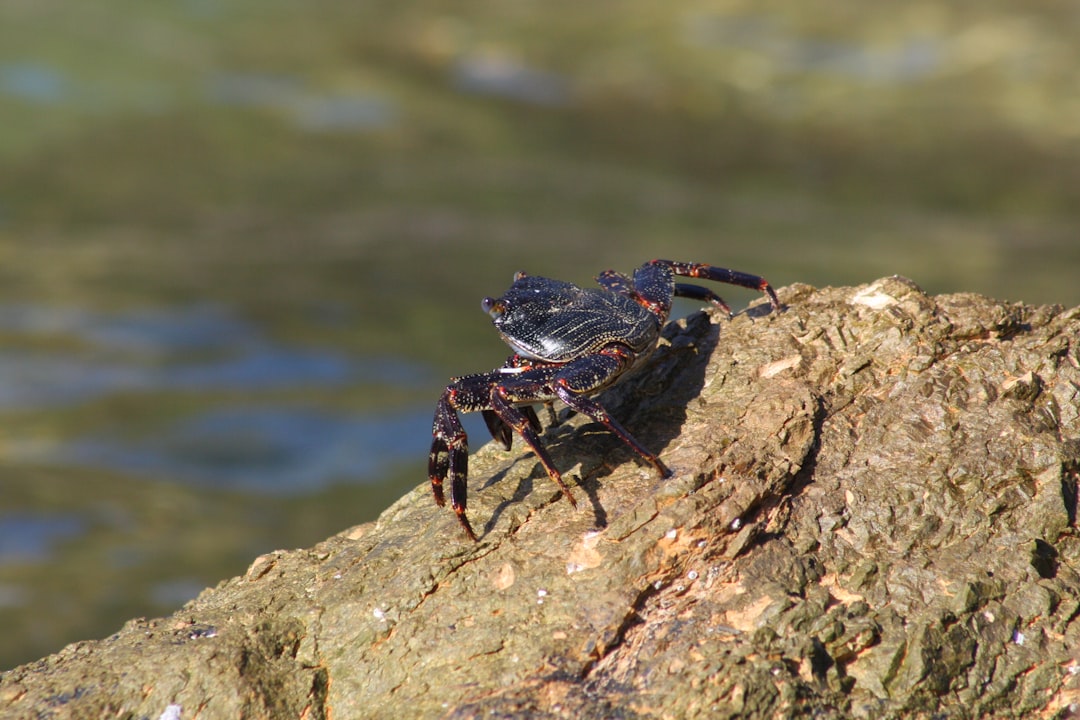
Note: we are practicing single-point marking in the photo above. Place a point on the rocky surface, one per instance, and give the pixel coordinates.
(873, 514)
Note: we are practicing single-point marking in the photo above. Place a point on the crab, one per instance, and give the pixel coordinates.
(569, 343)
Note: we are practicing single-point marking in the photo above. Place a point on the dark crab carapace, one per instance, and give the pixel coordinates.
(569, 343)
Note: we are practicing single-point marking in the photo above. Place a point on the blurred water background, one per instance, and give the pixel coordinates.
(243, 244)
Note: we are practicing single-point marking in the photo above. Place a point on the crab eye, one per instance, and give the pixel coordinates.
(519, 274)
(493, 307)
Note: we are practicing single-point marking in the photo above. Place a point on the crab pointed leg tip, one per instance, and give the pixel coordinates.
(773, 299)
(465, 524)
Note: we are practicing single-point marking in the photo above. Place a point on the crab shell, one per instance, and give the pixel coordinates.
(556, 322)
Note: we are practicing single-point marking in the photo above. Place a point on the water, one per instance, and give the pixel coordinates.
(29, 537)
(186, 349)
(909, 59)
(247, 444)
(33, 82)
(506, 77)
(310, 110)
(272, 449)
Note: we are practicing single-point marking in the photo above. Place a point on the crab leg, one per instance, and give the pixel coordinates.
(496, 395)
(696, 292)
(503, 432)
(502, 405)
(719, 274)
(584, 376)
(450, 455)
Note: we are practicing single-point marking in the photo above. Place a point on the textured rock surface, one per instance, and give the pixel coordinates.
(873, 514)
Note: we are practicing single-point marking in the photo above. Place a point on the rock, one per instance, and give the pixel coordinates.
(873, 514)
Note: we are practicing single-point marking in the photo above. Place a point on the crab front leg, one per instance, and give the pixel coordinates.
(449, 456)
(487, 393)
